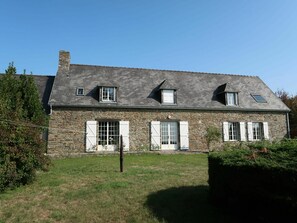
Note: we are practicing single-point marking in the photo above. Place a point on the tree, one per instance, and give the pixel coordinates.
(21, 114)
(291, 102)
(32, 108)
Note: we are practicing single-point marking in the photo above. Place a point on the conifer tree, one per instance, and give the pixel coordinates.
(21, 147)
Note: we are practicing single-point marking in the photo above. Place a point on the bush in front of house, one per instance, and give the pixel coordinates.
(260, 179)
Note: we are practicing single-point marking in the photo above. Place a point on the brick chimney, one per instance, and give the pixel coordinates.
(64, 61)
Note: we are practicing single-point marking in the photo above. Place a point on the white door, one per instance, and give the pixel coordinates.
(108, 136)
(169, 135)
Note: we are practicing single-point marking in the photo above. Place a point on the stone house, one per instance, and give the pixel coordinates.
(90, 106)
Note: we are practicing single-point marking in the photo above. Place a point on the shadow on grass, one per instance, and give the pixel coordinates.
(186, 204)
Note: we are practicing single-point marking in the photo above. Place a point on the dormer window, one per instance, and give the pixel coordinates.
(232, 98)
(108, 94)
(227, 94)
(168, 93)
(168, 96)
(80, 91)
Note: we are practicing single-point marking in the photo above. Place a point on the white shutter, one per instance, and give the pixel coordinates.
(124, 131)
(226, 131)
(250, 131)
(91, 139)
(265, 130)
(184, 135)
(242, 131)
(155, 135)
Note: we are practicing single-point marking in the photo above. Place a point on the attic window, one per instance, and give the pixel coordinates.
(80, 91)
(258, 98)
(108, 94)
(232, 98)
(168, 97)
(228, 94)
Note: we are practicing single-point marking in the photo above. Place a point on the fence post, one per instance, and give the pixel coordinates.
(121, 154)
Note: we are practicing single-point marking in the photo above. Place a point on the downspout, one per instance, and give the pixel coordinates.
(288, 126)
(51, 109)
(47, 132)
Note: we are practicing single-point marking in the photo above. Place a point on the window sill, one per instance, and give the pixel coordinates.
(171, 104)
(108, 102)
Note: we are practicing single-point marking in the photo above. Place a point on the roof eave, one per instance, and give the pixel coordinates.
(109, 106)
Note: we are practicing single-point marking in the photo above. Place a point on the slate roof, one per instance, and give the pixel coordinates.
(44, 85)
(139, 88)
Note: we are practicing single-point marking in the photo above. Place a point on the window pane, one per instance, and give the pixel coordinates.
(259, 98)
(104, 94)
(102, 133)
(173, 133)
(257, 131)
(164, 133)
(113, 133)
(230, 98)
(233, 130)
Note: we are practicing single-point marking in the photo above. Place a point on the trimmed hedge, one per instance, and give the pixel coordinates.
(263, 179)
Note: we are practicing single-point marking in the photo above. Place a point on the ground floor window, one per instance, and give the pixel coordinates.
(233, 128)
(257, 130)
(108, 133)
(243, 131)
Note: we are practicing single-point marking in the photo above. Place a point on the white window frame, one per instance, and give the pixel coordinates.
(168, 96)
(79, 89)
(114, 137)
(258, 131)
(259, 98)
(231, 98)
(107, 99)
(234, 132)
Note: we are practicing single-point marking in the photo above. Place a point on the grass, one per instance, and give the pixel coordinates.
(152, 188)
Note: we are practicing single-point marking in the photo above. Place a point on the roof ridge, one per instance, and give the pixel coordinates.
(34, 75)
(178, 71)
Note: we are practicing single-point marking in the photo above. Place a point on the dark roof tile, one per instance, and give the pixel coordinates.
(138, 88)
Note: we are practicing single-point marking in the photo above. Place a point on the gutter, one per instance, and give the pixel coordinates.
(171, 108)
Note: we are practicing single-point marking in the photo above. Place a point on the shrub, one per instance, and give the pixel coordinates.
(213, 134)
(262, 177)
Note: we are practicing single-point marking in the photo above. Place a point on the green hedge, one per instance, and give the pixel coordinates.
(262, 178)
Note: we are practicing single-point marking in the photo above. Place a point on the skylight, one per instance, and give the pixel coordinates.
(80, 91)
(259, 98)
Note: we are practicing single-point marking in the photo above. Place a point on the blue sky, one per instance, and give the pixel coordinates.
(249, 37)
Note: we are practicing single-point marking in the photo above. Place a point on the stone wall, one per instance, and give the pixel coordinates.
(67, 126)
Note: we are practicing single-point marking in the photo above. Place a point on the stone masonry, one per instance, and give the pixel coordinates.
(67, 125)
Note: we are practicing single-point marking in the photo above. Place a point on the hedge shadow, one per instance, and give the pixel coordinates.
(187, 204)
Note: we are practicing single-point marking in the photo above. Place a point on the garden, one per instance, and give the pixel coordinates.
(252, 182)
(152, 188)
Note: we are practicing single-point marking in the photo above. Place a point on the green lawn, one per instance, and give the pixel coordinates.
(152, 188)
